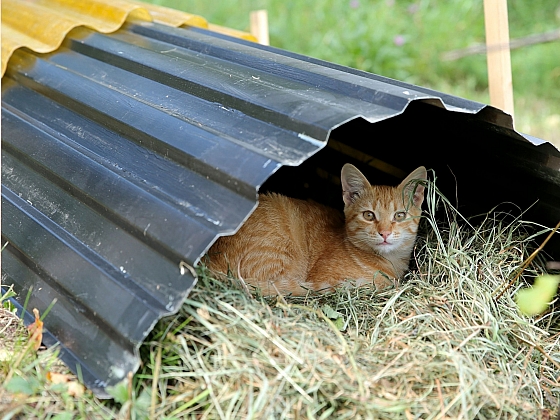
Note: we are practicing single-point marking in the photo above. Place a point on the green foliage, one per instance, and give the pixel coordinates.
(401, 39)
(5, 300)
(406, 39)
(20, 385)
(135, 404)
(535, 300)
(63, 416)
(7, 294)
(336, 317)
(119, 392)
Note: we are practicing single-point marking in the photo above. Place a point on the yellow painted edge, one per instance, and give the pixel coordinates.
(54, 31)
(172, 17)
(177, 18)
(46, 35)
(232, 32)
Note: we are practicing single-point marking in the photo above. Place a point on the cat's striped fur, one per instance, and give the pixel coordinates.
(289, 246)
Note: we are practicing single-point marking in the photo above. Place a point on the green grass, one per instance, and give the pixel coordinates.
(405, 40)
(438, 346)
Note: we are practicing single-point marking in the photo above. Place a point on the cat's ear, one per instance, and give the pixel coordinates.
(354, 183)
(413, 186)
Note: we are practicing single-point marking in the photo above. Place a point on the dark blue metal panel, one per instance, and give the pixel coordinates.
(126, 155)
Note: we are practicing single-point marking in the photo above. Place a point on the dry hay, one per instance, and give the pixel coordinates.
(438, 346)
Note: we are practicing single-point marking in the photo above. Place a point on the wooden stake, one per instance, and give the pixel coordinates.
(259, 26)
(498, 55)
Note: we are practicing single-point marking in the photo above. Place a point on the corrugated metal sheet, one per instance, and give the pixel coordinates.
(42, 25)
(126, 155)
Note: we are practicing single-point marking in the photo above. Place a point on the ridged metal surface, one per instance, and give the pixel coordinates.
(125, 156)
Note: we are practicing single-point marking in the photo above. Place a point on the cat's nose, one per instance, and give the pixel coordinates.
(385, 234)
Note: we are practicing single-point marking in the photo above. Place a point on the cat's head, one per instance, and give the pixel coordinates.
(382, 218)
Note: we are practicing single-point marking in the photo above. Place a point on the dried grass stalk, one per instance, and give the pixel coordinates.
(438, 346)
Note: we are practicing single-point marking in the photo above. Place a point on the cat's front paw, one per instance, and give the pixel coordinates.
(382, 282)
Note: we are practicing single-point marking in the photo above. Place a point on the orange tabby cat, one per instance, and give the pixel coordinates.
(290, 246)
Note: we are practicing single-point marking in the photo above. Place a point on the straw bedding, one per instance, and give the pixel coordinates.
(437, 346)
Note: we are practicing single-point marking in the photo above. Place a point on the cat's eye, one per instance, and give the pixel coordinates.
(400, 216)
(368, 215)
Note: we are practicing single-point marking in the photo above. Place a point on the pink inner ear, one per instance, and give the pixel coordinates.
(353, 182)
(418, 195)
(348, 196)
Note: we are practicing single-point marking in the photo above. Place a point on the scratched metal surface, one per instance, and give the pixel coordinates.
(125, 156)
